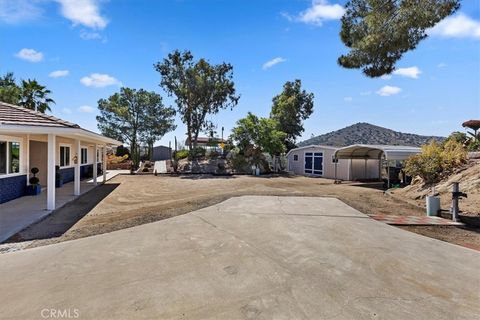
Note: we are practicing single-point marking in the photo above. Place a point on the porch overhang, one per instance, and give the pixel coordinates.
(73, 133)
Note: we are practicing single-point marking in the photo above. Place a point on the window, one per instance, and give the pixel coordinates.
(3, 157)
(64, 156)
(9, 157)
(84, 156)
(314, 163)
(14, 163)
(295, 157)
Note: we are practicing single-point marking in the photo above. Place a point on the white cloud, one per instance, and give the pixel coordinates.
(18, 11)
(411, 72)
(99, 80)
(83, 12)
(87, 35)
(441, 65)
(458, 26)
(366, 93)
(67, 110)
(320, 11)
(388, 91)
(271, 63)
(386, 77)
(86, 109)
(348, 99)
(29, 55)
(58, 73)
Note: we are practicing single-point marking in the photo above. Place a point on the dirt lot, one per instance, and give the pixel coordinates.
(126, 201)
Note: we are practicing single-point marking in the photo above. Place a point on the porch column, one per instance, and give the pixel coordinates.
(104, 164)
(51, 150)
(76, 180)
(95, 163)
(27, 158)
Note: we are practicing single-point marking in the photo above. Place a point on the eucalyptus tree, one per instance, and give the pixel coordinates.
(200, 89)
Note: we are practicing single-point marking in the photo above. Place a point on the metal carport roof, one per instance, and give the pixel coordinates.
(366, 151)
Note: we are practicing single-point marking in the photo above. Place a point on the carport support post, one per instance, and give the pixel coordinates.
(95, 164)
(336, 161)
(76, 179)
(51, 172)
(366, 176)
(388, 173)
(104, 164)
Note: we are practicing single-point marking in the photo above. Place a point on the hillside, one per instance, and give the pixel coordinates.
(469, 178)
(365, 133)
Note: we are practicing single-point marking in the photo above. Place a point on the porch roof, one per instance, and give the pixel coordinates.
(365, 151)
(16, 119)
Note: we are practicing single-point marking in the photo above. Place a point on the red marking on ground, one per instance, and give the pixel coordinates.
(414, 220)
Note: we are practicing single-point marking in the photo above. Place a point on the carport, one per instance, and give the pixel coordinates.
(383, 153)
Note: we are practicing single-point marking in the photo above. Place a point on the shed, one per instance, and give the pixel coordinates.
(319, 161)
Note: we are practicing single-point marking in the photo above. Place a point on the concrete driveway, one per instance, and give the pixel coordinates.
(247, 258)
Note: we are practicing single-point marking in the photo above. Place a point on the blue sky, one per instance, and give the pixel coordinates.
(84, 50)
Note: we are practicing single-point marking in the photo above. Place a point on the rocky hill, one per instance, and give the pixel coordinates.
(365, 133)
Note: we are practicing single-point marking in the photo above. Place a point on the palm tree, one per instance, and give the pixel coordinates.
(35, 96)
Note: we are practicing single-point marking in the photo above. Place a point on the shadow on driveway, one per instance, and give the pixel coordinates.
(62, 219)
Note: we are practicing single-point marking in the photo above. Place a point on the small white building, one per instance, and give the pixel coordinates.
(32, 139)
(355, 162)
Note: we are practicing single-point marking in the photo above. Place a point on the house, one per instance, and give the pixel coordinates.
(355, 162)
(208, 143)
(31, 139)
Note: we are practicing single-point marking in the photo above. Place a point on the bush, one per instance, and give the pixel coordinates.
(213, 154)
(436, 161)
(197, 153)
(474, 145)
(181, 154)
(122, 151)
(34, 181)
(239, 163)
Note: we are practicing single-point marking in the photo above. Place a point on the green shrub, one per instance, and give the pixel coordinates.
(239, 163)
(197, 152)
(34, 180)
(436, 161)
(474, 145)
(181, 154)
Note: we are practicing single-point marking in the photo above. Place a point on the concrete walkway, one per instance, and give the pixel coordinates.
(19, 213)
(110, 174)
(247, 258)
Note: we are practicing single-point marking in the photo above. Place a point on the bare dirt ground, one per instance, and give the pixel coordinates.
(127, 201)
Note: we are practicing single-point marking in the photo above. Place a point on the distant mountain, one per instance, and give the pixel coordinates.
(366, 133)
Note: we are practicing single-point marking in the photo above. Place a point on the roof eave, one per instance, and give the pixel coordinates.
(81, 133)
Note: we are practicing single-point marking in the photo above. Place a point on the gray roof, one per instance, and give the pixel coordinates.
(367, 151)
(16, 115)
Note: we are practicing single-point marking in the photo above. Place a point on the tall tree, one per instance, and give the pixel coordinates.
(379, 32)
(200, 89)
(133, 115)
(35, 96)
(10, 92)
(290, 108)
